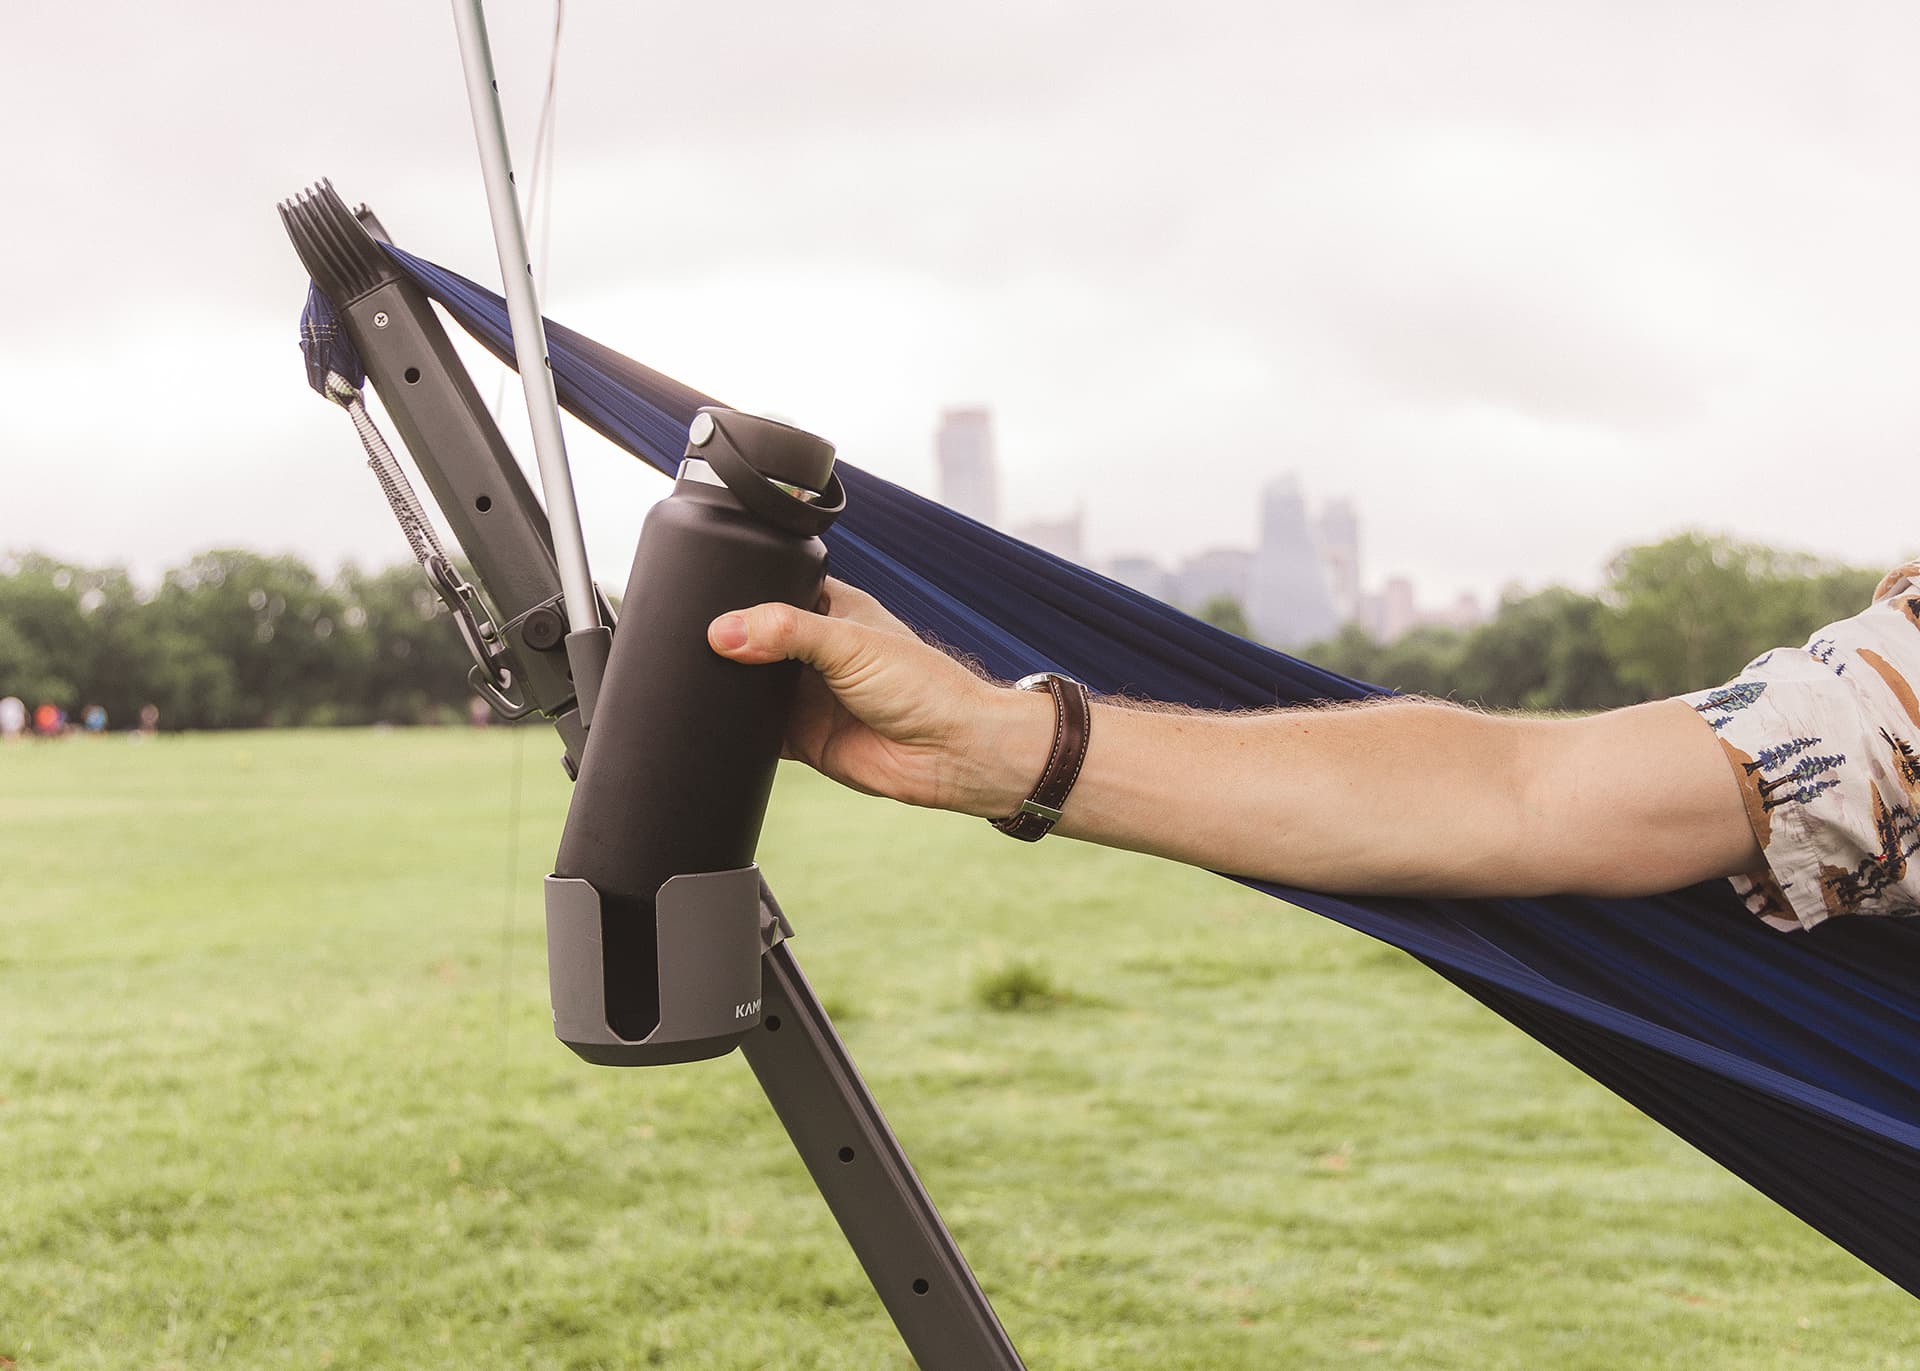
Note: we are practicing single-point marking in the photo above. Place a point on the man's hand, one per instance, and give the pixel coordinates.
(886, 713)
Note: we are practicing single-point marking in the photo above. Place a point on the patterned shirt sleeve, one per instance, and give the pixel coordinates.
(1824, 740)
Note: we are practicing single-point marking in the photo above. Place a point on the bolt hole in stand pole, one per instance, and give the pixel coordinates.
(664, 943)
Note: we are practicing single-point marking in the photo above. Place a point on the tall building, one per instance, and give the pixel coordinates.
(1339, 532)
(1466, 613)
(963, 448)
(1209, 575)
(1139, 573)
(1373, 615)
(1398, 613)
(1395, 612)
(1288, 600)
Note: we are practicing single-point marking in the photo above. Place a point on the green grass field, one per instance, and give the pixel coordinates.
(277, 1089)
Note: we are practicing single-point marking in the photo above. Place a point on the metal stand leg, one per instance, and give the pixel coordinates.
(868, 1183)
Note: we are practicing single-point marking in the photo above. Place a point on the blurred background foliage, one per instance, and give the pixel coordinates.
(239, 639)
(230, 639)
(1670, 617)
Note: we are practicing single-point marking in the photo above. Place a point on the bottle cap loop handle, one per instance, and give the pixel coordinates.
(716, 438)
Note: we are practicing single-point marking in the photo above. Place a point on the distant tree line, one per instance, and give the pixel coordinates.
(236, 639)
(230, 639)
(1671, 617)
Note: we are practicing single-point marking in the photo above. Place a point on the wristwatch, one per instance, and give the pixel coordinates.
(1072, 726)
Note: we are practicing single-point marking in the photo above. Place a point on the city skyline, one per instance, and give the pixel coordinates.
(1302, 580)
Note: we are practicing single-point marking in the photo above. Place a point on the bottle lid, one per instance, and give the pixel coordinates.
(779, 452)
(781, 474)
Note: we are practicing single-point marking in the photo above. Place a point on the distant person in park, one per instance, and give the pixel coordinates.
(49, 720)
(94, 720)
(149, 719)
(1798, 779)
(13, 718)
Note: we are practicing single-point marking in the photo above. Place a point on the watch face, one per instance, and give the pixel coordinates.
(1037, 681)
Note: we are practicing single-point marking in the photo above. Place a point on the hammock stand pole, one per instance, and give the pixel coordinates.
(588, 637)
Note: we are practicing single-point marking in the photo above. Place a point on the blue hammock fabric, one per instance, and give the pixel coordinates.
(326, 346)
(1791, 1059)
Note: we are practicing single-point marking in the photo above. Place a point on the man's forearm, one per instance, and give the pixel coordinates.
(1398, 795)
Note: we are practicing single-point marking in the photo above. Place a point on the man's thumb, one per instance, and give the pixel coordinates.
(775, 632)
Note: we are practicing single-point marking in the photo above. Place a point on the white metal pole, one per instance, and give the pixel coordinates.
(523, 309)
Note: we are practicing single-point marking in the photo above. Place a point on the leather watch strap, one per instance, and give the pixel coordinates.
(1072, 730)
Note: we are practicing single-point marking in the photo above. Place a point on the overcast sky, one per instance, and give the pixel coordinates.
(1528, 282)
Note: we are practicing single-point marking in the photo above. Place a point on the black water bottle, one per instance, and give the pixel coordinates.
(653, 911)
